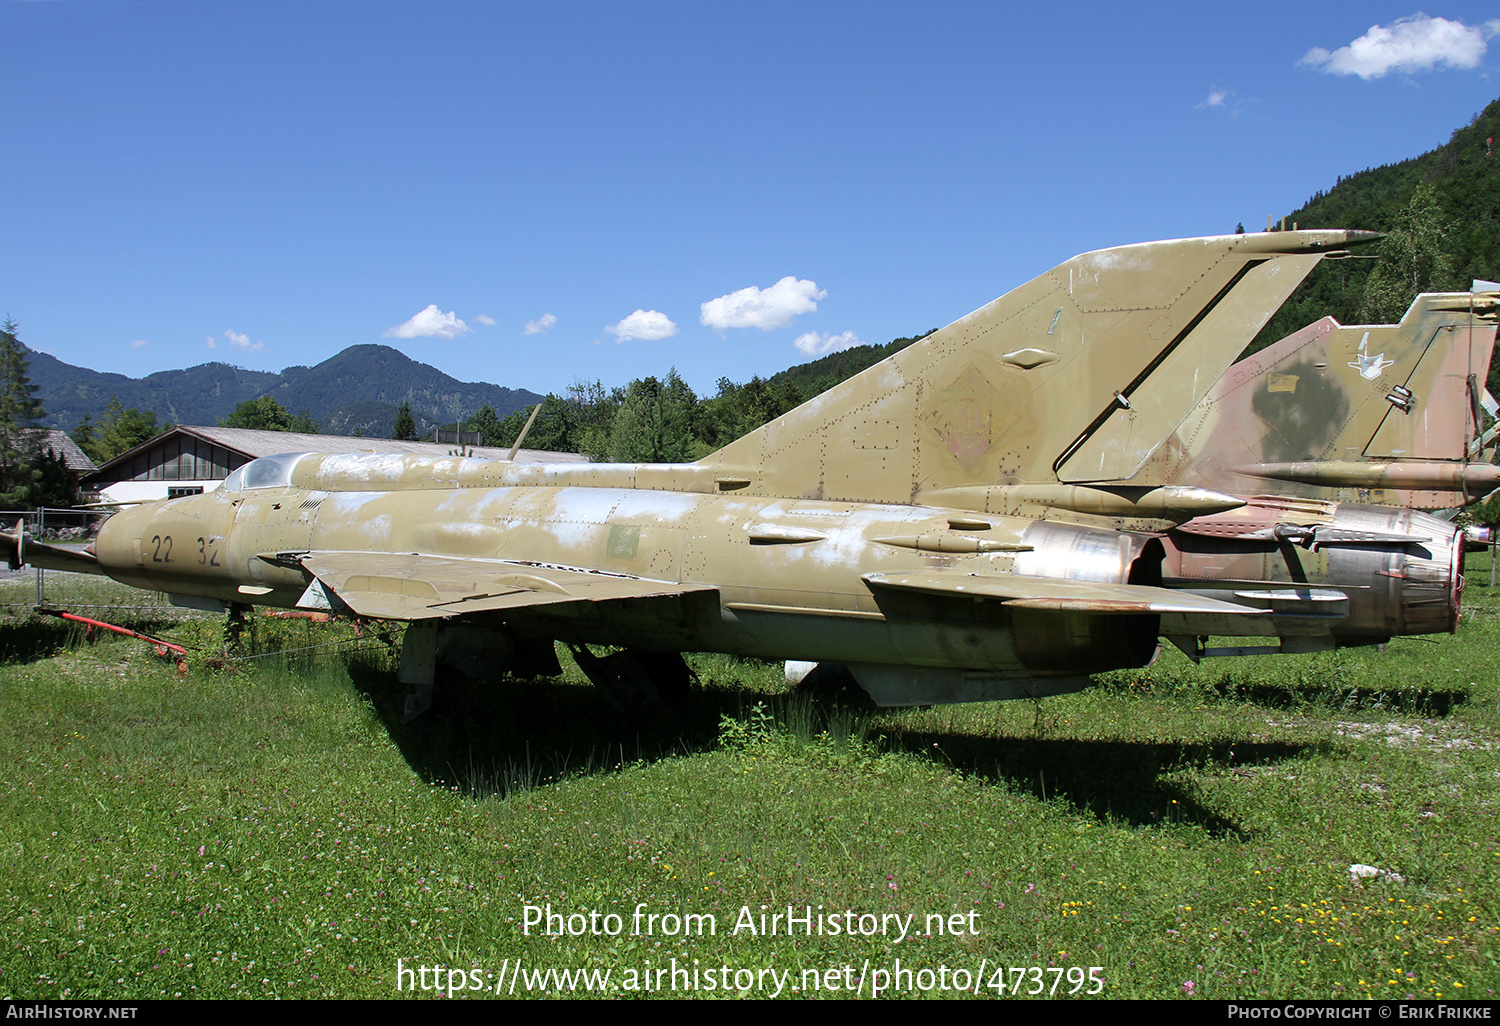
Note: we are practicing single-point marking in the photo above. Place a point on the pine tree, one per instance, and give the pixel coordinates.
(405, 429)
(30, 475)
(654, 423)
(83, 436)
(303, 423)
(20, 410)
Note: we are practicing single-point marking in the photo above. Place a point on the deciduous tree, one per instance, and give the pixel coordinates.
(1415, 260)
(119, 430)
(264, 414)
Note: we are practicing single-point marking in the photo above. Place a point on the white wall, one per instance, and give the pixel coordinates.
(145, 491)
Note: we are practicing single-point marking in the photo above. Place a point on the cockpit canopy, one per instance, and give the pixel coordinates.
(265, 472)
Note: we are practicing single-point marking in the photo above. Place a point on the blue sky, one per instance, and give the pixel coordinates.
(643, 186)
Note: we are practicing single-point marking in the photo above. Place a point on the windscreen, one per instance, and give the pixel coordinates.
(268, 471)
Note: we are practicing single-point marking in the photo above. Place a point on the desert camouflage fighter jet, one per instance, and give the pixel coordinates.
(942, 523)
(1371, 413)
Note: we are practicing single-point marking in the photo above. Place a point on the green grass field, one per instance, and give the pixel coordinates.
(269, 828)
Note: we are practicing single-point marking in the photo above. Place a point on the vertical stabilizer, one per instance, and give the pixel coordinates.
(1343, 394)
(1078, 375)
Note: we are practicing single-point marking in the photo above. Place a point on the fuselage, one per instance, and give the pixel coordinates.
(789, 573)
(773, 577)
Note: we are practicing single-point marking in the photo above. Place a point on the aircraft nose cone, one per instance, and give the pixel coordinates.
(118, 543)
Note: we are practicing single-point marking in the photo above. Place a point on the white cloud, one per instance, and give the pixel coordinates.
(238, 341)
(430, 323)
(1417, 43)
(488, 322)
(646, 325)
(139, 343)
(814, 344)
(243, 343)
(543, 324)
(1224, 100)
(763, 308)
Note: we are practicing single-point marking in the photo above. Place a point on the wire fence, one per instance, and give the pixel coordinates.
(26, 590)
(68, 528)
(56, 524)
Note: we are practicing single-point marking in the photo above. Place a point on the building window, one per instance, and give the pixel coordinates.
(174, 492)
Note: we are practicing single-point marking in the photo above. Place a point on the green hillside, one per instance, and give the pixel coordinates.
(1440, 211)
(197, 395)
(823, 373)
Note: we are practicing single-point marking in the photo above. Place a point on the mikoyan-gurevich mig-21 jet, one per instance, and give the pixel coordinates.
(949, 524)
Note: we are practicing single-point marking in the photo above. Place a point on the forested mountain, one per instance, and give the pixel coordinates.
(823, 373)
(1440, 211)
(198, 395)
(356, 391)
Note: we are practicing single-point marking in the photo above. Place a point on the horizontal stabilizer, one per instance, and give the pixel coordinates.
(412, 586)
(1060, 594)
(21, 549)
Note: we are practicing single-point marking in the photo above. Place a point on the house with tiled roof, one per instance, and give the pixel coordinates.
(59, 444)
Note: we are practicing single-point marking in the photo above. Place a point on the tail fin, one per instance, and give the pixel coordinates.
(1348, 394)
(1078, 375)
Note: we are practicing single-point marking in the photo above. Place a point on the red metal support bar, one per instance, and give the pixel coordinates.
(163, 649)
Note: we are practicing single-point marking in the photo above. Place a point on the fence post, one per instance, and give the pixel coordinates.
(41, 523)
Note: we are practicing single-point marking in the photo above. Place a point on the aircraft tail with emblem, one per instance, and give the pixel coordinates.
(1378, 413)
